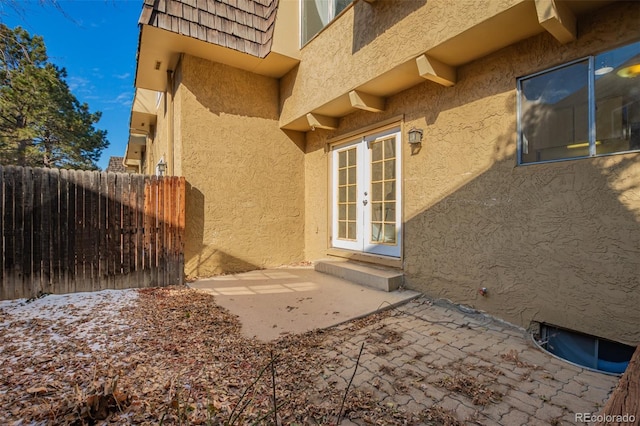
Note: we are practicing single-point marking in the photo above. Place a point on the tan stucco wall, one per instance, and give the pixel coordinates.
(175, 157)
(556, 243)
(369, 40)
(245, 177)
(157, 142)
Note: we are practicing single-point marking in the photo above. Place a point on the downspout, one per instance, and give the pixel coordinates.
(171, 83)
(170, 123)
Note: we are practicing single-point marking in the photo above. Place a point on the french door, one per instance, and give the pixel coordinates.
(366, 194)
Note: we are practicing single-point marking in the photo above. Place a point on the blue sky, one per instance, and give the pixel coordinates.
(96, 41)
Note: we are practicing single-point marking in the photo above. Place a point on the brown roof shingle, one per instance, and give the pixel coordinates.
(243, 25)
(116, 165)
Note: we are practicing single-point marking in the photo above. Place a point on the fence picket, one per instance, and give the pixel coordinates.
(69, 224)
(139, 213)
(56, 241)
(8, 234)
(27, 230)
(126, 230)
(182, 218)
(18, 195)
(36, 239)
(90, 233)
(45, 229)
(79, 220)
(154, 231)
(66, 231)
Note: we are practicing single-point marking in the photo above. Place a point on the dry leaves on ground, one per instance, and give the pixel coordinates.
(165, 356)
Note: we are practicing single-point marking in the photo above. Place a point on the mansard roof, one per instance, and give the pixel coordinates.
(242, 25)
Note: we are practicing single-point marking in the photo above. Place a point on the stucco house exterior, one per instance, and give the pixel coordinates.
(470, 144)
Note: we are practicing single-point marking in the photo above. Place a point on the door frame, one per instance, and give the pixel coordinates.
(361, 141)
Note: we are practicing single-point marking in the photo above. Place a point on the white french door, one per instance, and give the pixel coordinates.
(366, 194)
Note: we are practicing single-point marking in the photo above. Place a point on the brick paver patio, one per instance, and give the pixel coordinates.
(468, 365)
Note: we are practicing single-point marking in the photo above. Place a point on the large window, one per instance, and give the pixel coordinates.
(585, 108)
(316, 14)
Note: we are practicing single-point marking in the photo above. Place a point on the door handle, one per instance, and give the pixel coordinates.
(364, 202)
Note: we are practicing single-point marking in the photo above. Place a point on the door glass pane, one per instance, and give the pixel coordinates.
(376, 172)
(555, 115)
(383, 183)
(342, 177)
(617, 109)
(376, 192)
(342, 212)
(389, 233)
(390, 190)
(342, 159)
(351, 230)
(390, 211)
(376, 212)
(342, 194)
(376, 233)
(390, 169)
(352, 157)
(351, 193)
(351, 213)
(347, 193)
(352, 174)
(342, 229)
(390, 148)
(376, 151)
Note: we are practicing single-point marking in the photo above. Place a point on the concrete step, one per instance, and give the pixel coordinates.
(379, 277)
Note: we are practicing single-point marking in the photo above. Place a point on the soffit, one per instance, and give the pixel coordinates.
(511, 26)
(143, 111)
(133, 155)
(145, 101)
(159, 51)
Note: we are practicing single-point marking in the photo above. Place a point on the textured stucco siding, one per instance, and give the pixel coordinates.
(556, 243)
(369, 40)
(245, 194)
(177, 96)
(158, 141)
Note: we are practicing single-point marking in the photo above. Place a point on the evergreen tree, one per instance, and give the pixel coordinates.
(42, 124)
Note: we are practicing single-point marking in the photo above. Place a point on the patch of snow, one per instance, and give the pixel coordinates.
(68, 307)
(77, 319)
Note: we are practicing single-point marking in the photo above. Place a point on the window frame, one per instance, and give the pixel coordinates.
(549, 331)
(332, 14)
(591, 108)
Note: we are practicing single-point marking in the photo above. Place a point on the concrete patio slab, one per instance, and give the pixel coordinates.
(274, 302)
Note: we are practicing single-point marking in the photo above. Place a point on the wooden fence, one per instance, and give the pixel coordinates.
(67, 231)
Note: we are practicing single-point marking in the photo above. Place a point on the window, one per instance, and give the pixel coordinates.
(585, 350)
(316, 14)
(585, 108)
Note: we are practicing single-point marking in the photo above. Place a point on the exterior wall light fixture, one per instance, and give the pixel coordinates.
(162, 167)
(415, 136)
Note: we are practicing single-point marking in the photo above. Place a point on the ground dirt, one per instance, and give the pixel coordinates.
(172, 356)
